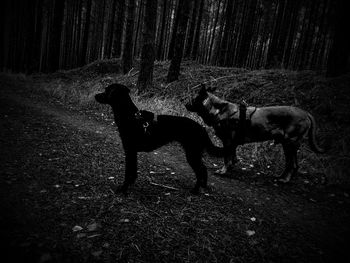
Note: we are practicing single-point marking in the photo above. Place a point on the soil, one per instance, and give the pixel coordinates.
(58, 162)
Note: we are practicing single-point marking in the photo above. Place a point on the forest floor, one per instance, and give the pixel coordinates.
(60, 153)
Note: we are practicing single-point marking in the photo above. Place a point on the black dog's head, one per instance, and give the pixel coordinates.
(112, 94)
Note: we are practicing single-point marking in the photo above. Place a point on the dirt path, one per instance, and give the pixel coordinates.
(57, 165)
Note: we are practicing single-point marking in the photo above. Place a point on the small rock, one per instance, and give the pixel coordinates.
(250, 233)
(77, 228)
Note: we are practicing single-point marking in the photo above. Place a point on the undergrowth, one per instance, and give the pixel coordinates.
(326, 99)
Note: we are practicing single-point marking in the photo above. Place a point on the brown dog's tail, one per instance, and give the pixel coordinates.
(312, 136)
(213, 149)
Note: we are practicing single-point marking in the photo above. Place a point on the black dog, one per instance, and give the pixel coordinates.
(143, 131)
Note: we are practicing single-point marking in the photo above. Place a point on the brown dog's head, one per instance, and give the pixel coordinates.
(196, 103)
(112, 94)
(210, 108)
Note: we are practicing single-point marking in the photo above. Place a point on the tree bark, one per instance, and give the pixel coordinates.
(83, 60)
(148, 50)
(127, 59)
(174, 32)
(117, 43)
(198, 31)
(55, 41)
(111, 30)
(161, 37)
(192, 29)
(174, 70)
(338, 61)
(228, 24)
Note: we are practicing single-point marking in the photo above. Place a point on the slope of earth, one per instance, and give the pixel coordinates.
(57, 163)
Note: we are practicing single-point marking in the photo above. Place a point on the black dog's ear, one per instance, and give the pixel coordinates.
(123, 88)
(118, 87)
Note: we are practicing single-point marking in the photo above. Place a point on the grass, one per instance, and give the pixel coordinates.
(326, 99)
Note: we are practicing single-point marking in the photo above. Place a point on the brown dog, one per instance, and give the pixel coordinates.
(237, 124)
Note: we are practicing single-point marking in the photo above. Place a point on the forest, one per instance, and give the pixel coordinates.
(61, 155)
(45, 35)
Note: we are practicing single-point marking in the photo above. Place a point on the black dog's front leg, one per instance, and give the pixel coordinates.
(130, 171)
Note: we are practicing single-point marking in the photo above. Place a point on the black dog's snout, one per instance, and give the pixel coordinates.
(101, 98)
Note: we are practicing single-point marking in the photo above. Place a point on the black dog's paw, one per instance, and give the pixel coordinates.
(120, 189)
(209, 189)
(195, 191)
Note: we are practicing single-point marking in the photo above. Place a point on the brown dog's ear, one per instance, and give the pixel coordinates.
(211, 88)
(207, 88)
(203, 89)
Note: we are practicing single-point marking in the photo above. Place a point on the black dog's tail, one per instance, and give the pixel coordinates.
(213, 149)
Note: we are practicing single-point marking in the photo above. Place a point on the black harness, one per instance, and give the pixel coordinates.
(244, 121)
(145, 121)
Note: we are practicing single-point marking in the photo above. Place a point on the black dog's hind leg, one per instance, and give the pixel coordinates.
(194, 159)
(130, 171)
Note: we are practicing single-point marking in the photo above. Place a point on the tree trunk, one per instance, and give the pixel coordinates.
(83, 60)
(148, 51)
(128, 44)
(191, 30)
(248, 33)
(117, 44)
(111, 31)
(198, 30)
(228, 24)
(161, 37)
(174, 70)
(214, 31)
(174, 32)
(338, 61)
(55, 41)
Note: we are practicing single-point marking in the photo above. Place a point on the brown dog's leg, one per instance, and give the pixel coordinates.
(290, 152)
(130, 171)
(230, 158)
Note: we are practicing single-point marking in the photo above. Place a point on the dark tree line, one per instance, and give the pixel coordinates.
(47, 35)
